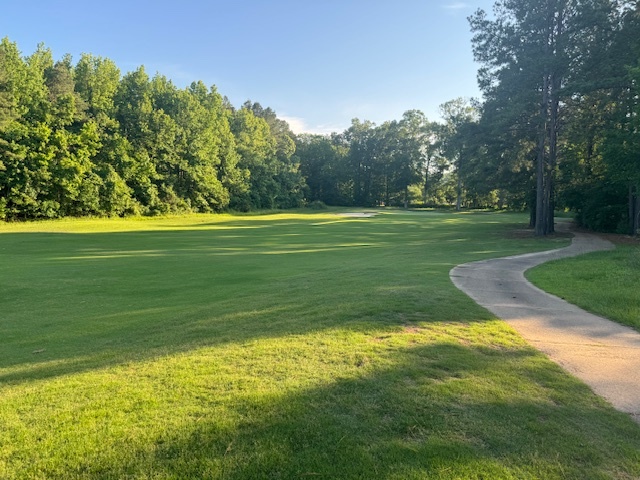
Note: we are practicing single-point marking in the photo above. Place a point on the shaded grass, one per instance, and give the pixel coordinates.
(604, 283)
(280, 346)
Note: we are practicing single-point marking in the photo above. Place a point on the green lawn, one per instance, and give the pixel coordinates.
(605, 283)
(281, 346)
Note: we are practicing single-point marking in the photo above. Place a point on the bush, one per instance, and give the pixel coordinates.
(318, 205)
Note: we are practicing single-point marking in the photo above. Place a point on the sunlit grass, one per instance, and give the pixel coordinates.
(281, 346)
(182, 222)
(605, 283)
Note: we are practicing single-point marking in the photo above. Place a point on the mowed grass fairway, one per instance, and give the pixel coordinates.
(281, 346)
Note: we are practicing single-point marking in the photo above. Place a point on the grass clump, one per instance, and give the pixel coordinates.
(281, 346)
(604, 283)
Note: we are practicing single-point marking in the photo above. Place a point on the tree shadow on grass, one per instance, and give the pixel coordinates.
(88, 301)
(438, 411)
(76, 302)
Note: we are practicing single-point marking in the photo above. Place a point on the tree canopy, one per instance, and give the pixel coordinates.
(561, 104)
(558, 127)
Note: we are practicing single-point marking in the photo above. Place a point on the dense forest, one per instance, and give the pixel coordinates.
(558, 128)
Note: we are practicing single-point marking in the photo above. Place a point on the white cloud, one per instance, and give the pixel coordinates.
(326, 129)
(296, 124)
(299, 125)
(456, 6)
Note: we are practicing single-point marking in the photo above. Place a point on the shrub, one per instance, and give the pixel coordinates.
(318, 205)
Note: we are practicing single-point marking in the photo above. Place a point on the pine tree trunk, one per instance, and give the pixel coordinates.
(553, 154)
(634, 210)
(532, 216)
(532, 209)
(631, 204)
(386, 191)
(636, 225)
(425, 192)
(555, 84)
(459, 188)
(551, 206)
(540, 225)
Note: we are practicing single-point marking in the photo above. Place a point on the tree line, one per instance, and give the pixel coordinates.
(80, 139)
(83, 139)
(560, 121)
(558, 128)
(401, 162)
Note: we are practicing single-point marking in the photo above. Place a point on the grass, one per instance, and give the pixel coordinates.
(281, 346)
(604, 283)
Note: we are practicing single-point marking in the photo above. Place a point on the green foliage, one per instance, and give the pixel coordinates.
(96, 82)
(323, 164)
(265, 148)
(115, 194)
(558, 128)
(81, 140)
(561, 110)
(458, 142)
(318, 205)
(369, 165)
(6, 95)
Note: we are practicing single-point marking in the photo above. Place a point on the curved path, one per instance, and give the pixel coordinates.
(603, 354)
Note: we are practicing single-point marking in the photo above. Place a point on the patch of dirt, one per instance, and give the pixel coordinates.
(411, 329)
(616, 238)
(380, 339)
(619, 239)
(529, 233)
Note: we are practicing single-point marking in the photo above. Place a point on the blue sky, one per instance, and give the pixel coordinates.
(317, 63)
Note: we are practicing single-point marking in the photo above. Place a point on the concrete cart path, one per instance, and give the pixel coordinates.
(603, 354)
